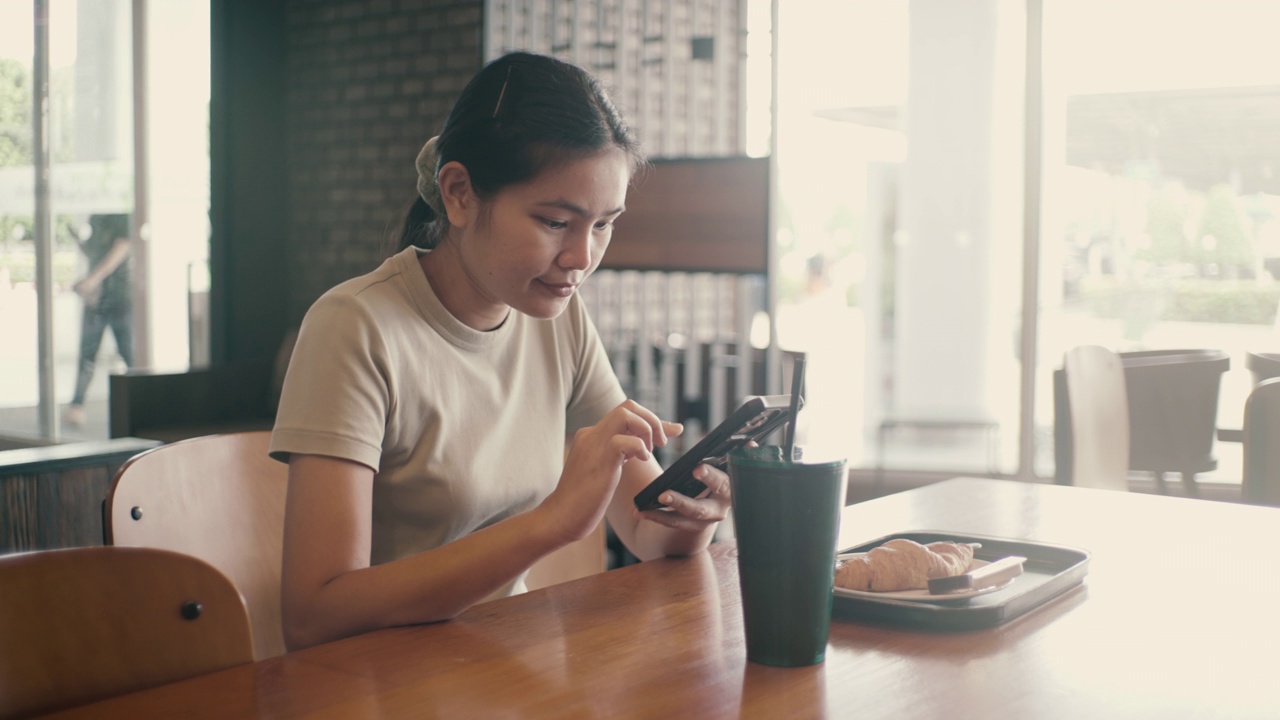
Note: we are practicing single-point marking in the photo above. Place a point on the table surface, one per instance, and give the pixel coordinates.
(1177, 618)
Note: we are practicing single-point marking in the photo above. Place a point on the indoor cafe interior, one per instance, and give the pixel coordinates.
(1020, 252)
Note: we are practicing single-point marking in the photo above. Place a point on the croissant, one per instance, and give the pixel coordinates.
(902, 564)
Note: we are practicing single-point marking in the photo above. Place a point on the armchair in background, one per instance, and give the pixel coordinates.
(1172, 407)
(1173, 411)
(1261, 449)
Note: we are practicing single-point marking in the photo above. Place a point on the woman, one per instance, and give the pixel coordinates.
(427, 405)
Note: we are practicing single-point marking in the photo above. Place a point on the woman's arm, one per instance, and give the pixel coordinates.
(328, 588)
(687, 527)
(89, 285)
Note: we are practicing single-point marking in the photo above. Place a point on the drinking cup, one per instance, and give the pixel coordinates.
(786, 514)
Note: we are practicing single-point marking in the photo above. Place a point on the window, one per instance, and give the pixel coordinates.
(1161, 219)
(135, 302)
(899, 145)
(902, 181)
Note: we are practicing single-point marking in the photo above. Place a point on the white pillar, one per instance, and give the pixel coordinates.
(960, 203)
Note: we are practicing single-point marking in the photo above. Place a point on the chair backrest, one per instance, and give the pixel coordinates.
(219, 498)
(1261, 449)
(1099, 418)
(83, 624)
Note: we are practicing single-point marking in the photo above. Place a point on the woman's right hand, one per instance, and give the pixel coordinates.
(594, 465)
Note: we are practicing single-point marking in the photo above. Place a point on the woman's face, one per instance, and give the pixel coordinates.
(536, 242)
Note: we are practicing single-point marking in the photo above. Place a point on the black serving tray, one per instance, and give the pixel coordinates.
(1049, 571)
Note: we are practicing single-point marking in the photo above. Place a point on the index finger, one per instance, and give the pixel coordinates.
(659, 430)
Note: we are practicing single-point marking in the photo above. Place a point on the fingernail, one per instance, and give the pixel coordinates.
(666, 499)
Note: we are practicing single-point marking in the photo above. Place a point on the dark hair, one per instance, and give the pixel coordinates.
(520, 115)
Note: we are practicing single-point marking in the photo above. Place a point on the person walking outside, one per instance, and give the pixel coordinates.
(108, 302)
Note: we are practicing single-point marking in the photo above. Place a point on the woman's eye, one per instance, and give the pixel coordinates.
(555, 224)
(604, 224)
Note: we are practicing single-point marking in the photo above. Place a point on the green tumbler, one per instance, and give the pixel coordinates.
(786, 515)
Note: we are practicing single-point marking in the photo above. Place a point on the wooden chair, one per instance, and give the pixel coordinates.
(1099, 418)
(82, 624)
(219, 498)
(1261, 449)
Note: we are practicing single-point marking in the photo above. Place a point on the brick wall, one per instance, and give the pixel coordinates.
(369, 81)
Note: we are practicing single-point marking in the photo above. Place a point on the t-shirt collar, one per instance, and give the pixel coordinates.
(435, 313)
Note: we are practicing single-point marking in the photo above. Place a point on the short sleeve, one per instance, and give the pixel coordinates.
(336, 397)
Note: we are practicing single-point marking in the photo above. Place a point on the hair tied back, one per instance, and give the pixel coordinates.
(428, 187)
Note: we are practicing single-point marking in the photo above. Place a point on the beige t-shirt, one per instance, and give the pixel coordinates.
(463, 428)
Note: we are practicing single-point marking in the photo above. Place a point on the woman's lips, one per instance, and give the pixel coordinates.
(559, 289)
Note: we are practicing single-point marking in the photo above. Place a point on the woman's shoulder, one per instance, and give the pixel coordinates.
(374, 289)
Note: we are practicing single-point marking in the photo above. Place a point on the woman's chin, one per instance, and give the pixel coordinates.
(545, 308)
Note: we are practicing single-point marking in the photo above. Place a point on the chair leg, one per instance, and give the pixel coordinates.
(1189, 484)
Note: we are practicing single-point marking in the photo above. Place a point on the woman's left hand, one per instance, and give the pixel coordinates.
(686, 513)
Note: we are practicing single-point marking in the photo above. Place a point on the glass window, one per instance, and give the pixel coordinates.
(901, 175)
(1161, 217)
(18, 388)
(899, 146)
(121, 258)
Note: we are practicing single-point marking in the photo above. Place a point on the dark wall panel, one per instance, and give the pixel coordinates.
(248, 194)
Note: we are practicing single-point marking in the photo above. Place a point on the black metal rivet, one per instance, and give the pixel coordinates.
(191, 609)
(136, 513)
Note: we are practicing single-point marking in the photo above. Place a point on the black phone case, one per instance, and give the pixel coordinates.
(756, 420)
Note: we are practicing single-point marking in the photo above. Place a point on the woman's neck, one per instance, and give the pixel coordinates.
(458, 292)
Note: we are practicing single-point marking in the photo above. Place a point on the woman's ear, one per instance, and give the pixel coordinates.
(456, 193)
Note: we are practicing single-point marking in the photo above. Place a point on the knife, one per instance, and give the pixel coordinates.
(986, 576)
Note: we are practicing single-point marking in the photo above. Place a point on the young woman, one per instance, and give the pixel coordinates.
(427, 406)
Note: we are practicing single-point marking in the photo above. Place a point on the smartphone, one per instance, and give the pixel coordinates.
(756, 420)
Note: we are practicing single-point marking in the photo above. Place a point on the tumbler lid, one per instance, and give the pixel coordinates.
(773, 455)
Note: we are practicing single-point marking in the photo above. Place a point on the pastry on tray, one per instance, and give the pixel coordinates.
(902, 564)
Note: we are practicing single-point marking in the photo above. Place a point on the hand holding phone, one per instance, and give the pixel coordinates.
(755, 420)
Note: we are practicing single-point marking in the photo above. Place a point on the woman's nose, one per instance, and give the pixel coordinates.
(577, 253)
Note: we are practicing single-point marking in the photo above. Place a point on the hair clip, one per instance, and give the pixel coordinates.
(503, 91)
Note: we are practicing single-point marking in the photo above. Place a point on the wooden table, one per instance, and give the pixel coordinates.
(1178, 618)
